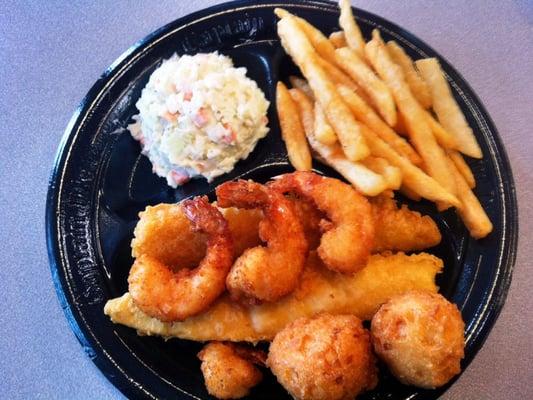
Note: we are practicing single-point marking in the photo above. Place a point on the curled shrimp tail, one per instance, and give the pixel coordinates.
(209, 220)
(242, 194)
(301, 183)
(205, 218)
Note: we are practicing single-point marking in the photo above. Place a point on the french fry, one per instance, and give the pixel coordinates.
(410, 194)
(337, 39)
(443, 137)
(413, 177)
(338, 114)
(340, 78)
(313, 118)
(400, 127)
(337, 75)
(391, 174)
(435, 160)
(463, 168)
(324, 133)
(470, 210)
(447, 109)
(320, 42)
(363, 179)
(352, 33)
(364, 113)
(418, 86)
(374, 87)
(300, 83)
(292, 130)
(305, 108)
(353, 172)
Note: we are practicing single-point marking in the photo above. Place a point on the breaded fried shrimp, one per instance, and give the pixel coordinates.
(327, 357)
(228, 369)
(310, 218)
(265, 273)
(170, 295)
(165, 233)
(349, 234)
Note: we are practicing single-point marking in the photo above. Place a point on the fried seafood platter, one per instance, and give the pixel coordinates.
(321, 273)
(263, 257)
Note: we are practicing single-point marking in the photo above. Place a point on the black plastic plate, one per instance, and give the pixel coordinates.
(100, 182)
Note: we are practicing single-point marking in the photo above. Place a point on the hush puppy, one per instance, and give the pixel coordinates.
(324, 358)
(229, 371)
(420, 336)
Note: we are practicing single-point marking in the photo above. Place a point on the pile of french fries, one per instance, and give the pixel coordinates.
(381, 120)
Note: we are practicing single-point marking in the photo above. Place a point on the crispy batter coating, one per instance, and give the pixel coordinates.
(401, 229)
(420, 336)
(310, 217)
(165, 233)
(348, 239)
(319, 290)
(396, 228)
(244, 227)
(229, 371)
(174, 295)
(265, 273)
(326, 357)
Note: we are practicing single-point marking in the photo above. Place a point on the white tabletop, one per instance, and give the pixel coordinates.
(50, 54)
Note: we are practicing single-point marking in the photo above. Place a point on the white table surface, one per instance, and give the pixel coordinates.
(50, 54)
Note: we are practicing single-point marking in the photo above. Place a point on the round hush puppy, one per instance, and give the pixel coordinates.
(324, 358)
(229, 371)
(420, 336)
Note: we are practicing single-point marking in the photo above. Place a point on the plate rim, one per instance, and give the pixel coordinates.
(501, 284)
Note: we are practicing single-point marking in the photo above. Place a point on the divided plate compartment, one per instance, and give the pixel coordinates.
(100, 182)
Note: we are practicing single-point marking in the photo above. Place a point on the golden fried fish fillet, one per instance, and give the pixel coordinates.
(401, 229)
(320, 290)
